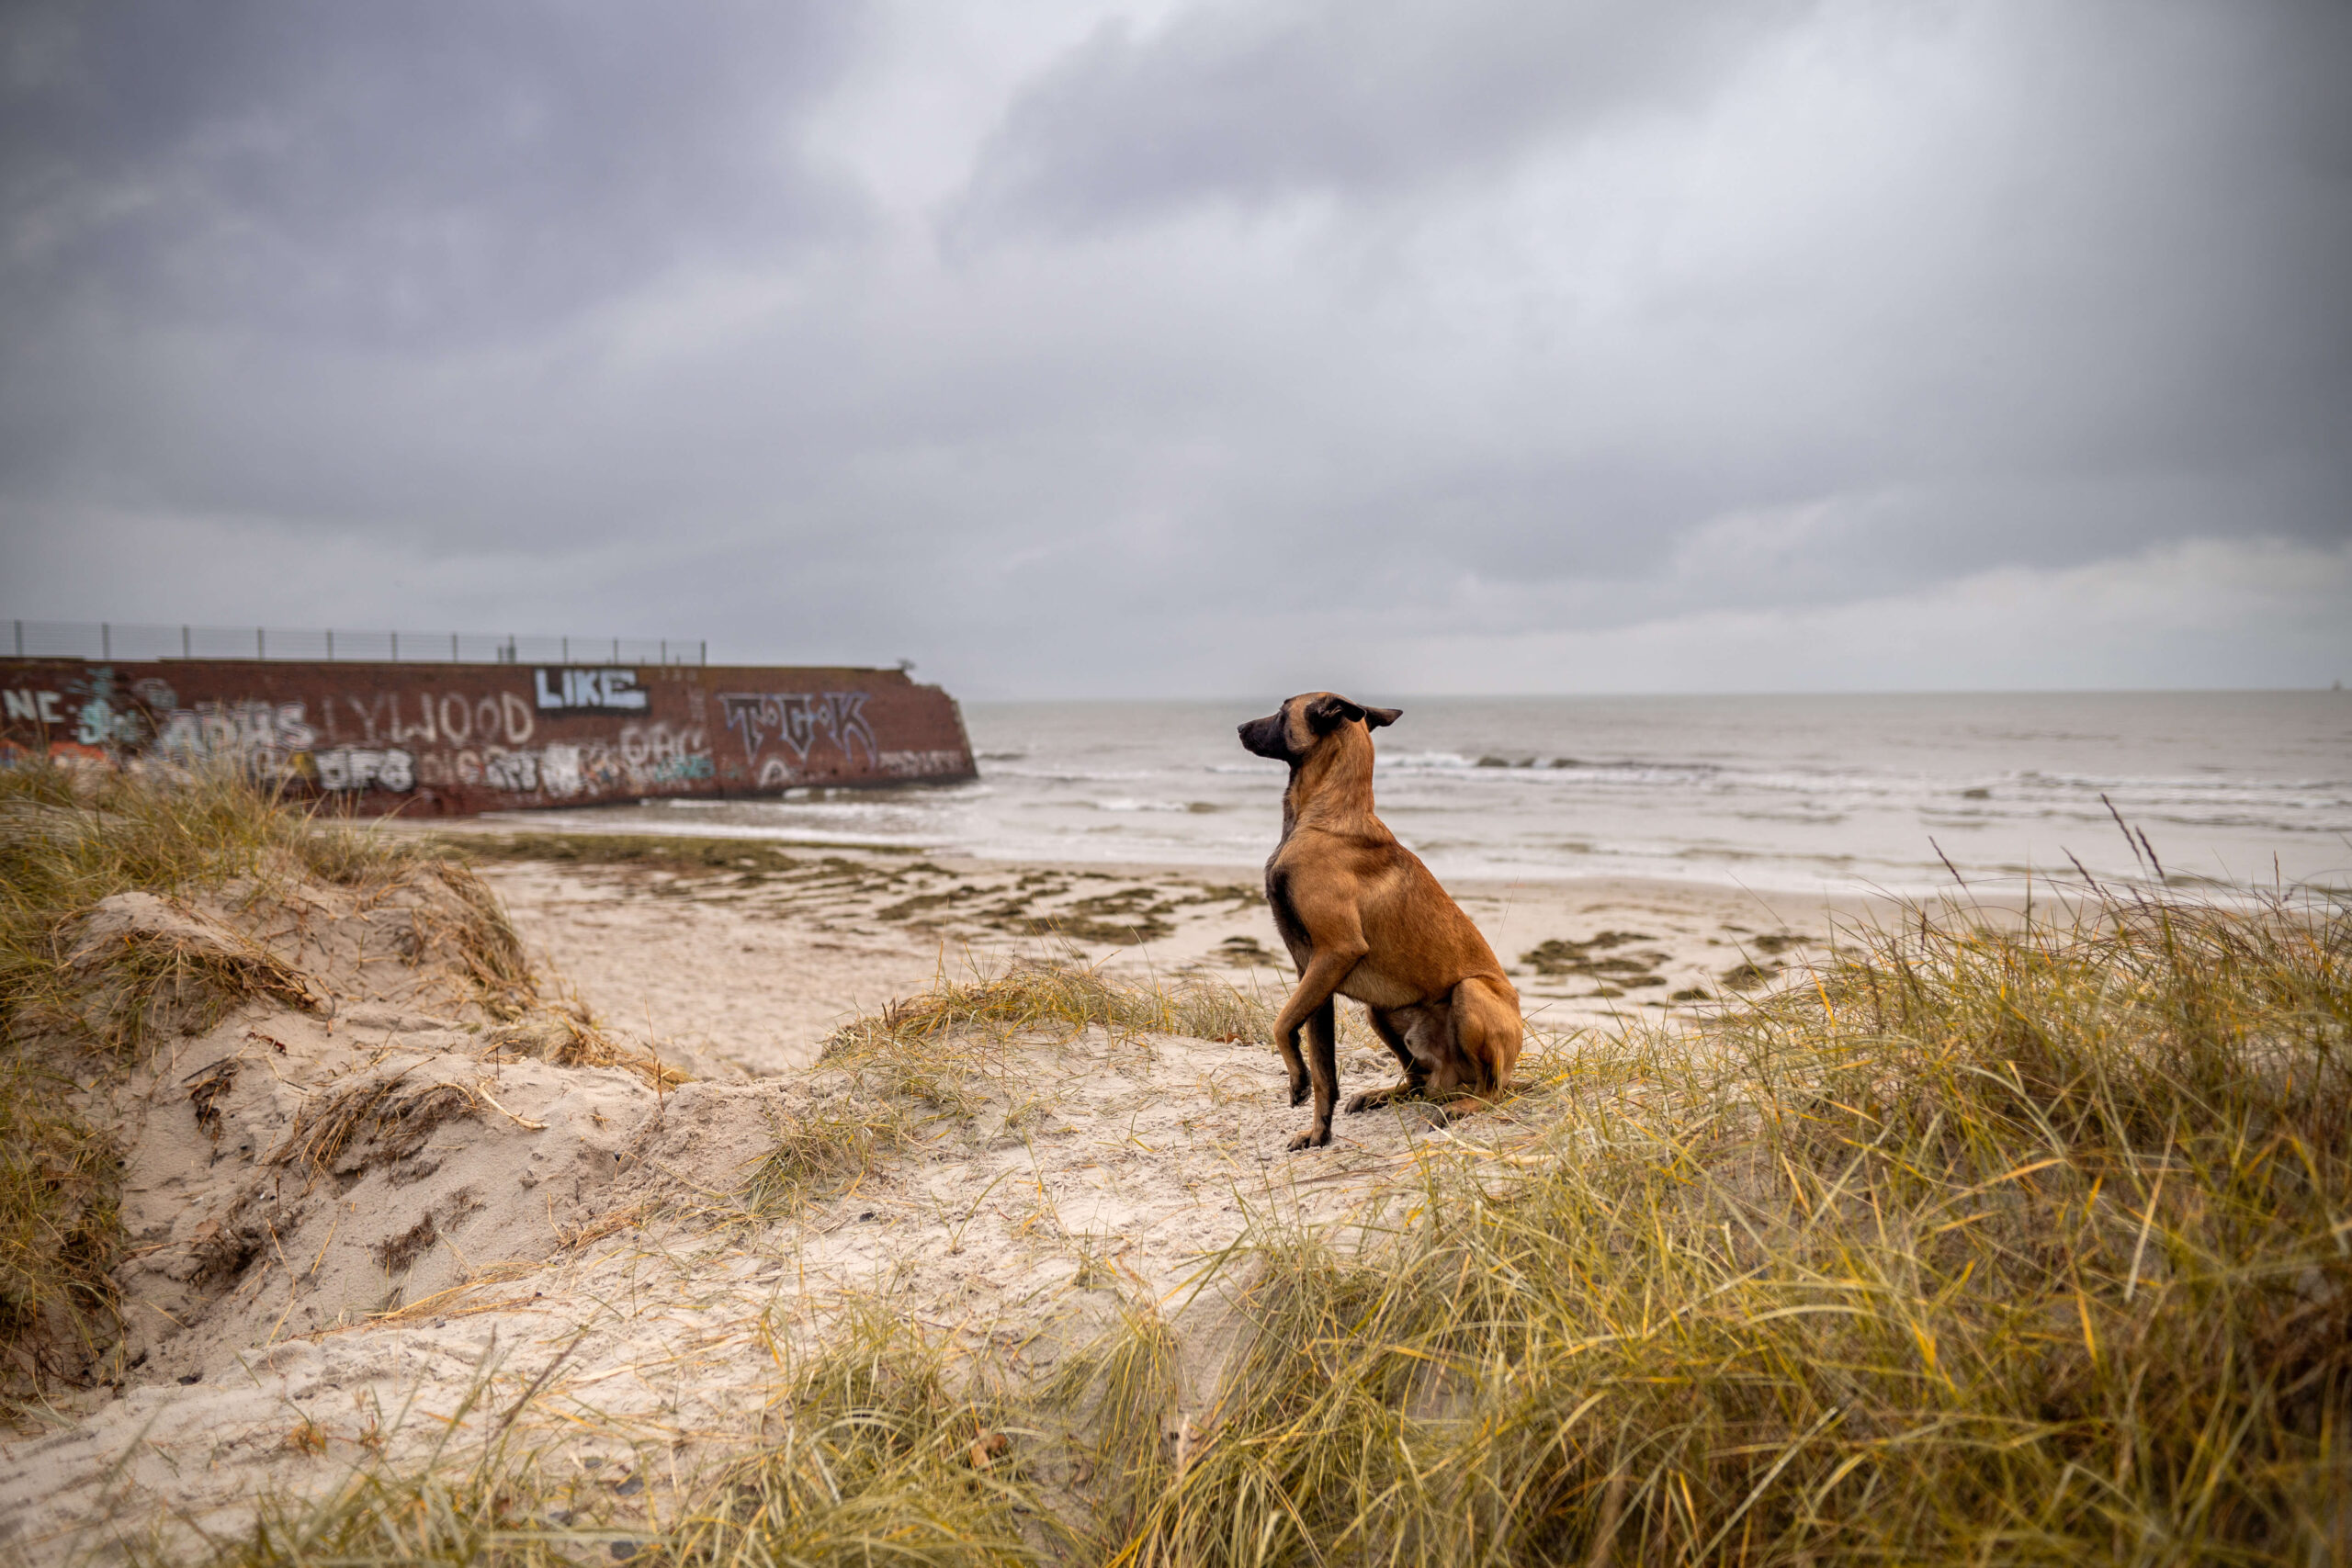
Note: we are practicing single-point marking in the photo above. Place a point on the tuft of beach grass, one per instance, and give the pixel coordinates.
(72, 1014)
(925, 1058)
(68, 841)
(881, 1450)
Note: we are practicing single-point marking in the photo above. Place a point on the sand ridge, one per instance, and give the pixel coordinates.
(352, 1218)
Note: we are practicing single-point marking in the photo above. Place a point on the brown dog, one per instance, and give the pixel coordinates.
(1364, 918)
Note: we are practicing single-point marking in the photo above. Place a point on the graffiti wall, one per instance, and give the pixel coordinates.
(429, 740)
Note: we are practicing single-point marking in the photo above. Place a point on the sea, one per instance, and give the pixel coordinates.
(1899, 794)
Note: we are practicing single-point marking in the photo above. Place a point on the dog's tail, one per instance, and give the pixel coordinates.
(1487, 1028)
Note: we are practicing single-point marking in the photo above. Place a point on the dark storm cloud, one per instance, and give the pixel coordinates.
(1036, 345)
(392, 173)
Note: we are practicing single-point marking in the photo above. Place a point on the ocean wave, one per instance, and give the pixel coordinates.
(1077, 775)
(1422, 762)
(2327, 790)
(605, 824)
(1131, 803)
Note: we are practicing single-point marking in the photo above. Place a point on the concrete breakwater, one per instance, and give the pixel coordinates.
(456, 739)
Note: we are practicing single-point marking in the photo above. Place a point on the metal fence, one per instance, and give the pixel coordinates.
(112, 640)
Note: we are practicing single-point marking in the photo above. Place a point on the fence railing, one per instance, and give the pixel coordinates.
(114, 639)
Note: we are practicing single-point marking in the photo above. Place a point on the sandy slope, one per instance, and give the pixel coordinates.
(503, 1214)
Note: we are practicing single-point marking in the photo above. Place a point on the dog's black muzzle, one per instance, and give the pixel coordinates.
(1263, 737)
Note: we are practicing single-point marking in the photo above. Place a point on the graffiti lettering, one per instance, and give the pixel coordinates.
(921, 764)
(359, 767)
(517, 771)
(591, 691)
(642, 757)
(423, 729)
(797, 718)
(469, 740)
(265, 733)
(456, 717)
(35, 708)
(560, 770)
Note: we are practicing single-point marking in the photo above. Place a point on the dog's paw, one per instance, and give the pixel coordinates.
(1299, 1089)
(1313, 1138)
(1373, 1098)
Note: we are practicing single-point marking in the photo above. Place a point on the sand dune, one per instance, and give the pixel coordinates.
(354, 1201)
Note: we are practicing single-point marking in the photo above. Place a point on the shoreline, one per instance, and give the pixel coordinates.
(2001, 884)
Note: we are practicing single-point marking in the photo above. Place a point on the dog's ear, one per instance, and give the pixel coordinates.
(1329, 711)
(1380, 718)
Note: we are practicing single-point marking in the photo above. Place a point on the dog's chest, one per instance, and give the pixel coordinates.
(1287, 924)
(1371, 984)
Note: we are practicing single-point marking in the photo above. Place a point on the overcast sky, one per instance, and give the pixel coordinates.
(1212, 347)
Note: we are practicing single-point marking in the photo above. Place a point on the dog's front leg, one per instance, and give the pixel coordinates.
(1295, 1064)
(1323, 1069)
(1311, 1005)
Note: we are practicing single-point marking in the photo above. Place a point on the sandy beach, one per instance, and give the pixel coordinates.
(571, 1240)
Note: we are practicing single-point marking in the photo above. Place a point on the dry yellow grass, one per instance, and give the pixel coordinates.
(72, 1014)
(919, 1059)
(1981, 1244)
(66, 842)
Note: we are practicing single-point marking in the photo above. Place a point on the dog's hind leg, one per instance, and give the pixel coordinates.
(1487, 1034)
(1415, 1075)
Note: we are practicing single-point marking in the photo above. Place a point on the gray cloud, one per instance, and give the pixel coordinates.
(1488, 330)
(1256, 103)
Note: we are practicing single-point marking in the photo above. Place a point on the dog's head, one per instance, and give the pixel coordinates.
(1294, 730)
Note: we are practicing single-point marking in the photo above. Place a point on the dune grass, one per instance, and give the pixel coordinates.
(889, 1453)
(506, 1506)
(2012, 1245)
(1052, 995)
(884, 1454)
(68, 841)
(924, 1058)
(1988, 1241)
(682, 855)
